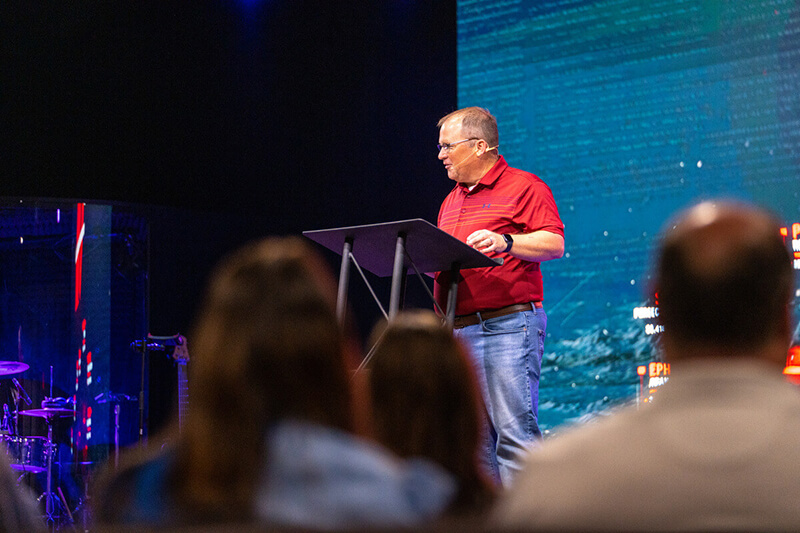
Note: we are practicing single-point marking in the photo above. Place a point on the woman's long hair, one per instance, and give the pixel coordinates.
(267, 346)
(425, 401)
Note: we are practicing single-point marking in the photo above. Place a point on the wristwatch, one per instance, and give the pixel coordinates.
(509, 242)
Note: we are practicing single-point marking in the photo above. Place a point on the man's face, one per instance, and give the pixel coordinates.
(458, 161)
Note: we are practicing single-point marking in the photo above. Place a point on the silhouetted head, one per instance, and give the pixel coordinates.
(267, 346)
(425, 400)
(724, 281)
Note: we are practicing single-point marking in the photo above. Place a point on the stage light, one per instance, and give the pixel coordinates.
(249, 4)
(793, 362)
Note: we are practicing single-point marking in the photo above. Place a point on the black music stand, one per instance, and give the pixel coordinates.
(393, 248)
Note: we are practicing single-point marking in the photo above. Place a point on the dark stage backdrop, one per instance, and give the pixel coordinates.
(630, 110)
(221, 121)
(311, 113)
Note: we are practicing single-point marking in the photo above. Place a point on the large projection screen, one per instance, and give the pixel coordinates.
(631, 110)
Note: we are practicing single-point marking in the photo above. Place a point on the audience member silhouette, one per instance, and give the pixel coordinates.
(271, 430)
(426, 402)
(717, 449)
(18, 510)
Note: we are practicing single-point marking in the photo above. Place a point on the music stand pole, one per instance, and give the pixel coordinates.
(344, 280)
(450, 313)
(398, 275)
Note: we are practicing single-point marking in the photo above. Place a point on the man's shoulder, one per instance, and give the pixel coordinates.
(523, 178)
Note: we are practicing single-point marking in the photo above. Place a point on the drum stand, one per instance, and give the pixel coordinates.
(52, 408)
(54, 503)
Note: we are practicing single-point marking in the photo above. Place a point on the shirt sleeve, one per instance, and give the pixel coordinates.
(536, 210)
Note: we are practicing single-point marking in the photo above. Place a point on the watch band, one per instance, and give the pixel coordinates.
(509, 242)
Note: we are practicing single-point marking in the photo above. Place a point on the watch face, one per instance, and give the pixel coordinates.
(509, 241)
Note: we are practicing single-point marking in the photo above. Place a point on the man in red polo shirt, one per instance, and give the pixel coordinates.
(508, 213)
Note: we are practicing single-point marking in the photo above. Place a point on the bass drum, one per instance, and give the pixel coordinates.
(27, 454)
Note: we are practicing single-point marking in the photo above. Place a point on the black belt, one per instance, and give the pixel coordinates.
(470, 320)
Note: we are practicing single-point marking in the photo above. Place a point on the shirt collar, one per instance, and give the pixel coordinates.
(491, 176)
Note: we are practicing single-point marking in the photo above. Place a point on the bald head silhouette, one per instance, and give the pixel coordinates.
(724, 283)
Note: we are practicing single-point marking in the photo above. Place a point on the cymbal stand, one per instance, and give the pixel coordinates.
(52, 502)
(48, 494)
(13, 420)
(9, 427)
(10, 423)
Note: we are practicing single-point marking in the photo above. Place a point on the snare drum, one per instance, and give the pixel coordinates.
(26, 454)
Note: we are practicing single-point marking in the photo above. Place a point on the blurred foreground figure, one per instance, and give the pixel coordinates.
(271, 430)
(426, 403)
(717, 450)
(18, 511)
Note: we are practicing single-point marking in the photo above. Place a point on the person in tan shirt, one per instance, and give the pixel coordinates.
(717, 450)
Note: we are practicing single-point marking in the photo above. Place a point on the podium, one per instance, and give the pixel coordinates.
(394, 249)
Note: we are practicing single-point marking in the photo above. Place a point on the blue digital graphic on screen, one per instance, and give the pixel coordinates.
(630, 111)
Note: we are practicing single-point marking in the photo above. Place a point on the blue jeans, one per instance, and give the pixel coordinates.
(507, 353)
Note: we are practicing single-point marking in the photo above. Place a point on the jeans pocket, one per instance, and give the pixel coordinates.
(513, 323)
(540, 345)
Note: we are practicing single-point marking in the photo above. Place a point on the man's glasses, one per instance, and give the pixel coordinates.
(449, 146)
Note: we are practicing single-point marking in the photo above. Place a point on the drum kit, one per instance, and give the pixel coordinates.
(35, 454)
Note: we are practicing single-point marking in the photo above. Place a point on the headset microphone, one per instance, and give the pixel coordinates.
(456, 165)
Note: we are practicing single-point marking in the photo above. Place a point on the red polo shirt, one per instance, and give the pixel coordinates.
(505, 200)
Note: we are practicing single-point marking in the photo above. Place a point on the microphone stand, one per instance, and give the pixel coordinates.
(142, 348)
(116, 400)
(151, 342)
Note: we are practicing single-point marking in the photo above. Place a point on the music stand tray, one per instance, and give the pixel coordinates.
(394, 248)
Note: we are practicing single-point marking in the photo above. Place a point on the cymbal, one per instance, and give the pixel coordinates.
(28, 468)
(47, 412)
(12, 367)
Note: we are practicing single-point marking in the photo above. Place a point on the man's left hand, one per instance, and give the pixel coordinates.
(541, 245)
(487, 241)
